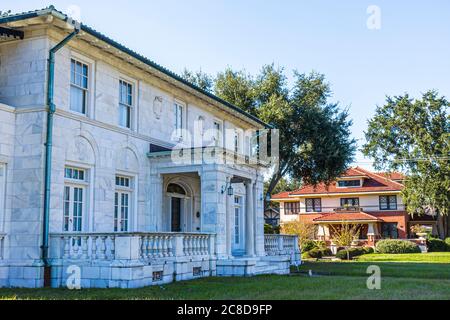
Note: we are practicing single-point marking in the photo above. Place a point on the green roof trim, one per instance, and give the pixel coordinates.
(115, 44)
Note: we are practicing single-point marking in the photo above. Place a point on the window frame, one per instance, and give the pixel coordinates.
(73, 185)
(342, 200)
(177, 104)
(218, 133)
(87, 90)
(358, 186)
(292, 208)
(121, 190)
(130, 107)
(314, 209)
(388, 202)
(3, 181)
(390, 230)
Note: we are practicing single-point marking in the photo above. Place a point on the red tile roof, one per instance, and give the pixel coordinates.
(354, 216)
(392, 175)
(373, 182)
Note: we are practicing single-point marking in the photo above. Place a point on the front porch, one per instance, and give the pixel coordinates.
(132, 260)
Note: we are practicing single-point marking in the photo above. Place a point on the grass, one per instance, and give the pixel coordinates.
(424, 276)
(432, 257)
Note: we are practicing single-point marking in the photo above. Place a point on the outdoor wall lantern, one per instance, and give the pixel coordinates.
(268, 197)
(228, 188)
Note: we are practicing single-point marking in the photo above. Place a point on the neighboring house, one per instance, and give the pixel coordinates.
(272, 216)
(372, 200)
(129, 199)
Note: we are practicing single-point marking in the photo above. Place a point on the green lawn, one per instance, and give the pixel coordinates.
(423, 278)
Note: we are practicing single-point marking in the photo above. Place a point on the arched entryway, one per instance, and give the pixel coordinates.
(177, 195)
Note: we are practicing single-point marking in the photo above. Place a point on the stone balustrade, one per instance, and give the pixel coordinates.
(130, 246)
(2, 245)
(280, 244)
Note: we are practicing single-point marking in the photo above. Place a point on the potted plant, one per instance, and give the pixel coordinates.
(420, 231)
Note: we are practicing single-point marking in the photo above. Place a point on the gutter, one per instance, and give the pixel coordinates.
(48, 151)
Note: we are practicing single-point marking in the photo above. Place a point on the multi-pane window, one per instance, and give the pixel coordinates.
(79, 83)
(237, 220)
(349, 183)
(74, 199)
(122, 205)
(178, 112)
(291, 208)
(389, 230)
(349, 202)
(2, 191)
(217, 133)
(237, 142)
(388, 202)
(313, 205)
(125, 103)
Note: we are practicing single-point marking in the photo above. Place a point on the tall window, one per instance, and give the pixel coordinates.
(313, 205)
(125, 103)
(237, 220)
(349, 202)
(388, 202)
(74, 199)
(2, 192)
(179, 122)
(79, 81)
(291, 208)
(122, 204)
(217, 133)
(237, 141)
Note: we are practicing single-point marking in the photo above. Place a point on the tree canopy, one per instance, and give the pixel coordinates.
(413, 136)
(315, 144)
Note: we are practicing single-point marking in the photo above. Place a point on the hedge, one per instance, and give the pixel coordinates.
(447, 241)
(397, 246)
(352, 252)
(437, 245)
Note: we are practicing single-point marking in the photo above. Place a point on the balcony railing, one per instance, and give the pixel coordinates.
(280, 244)
(348, 209)
(130, 246)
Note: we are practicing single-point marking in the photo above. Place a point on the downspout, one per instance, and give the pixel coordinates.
(48, 151)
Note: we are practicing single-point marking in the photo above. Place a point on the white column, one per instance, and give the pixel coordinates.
(250, 221)
(229, 227)
(156, 203)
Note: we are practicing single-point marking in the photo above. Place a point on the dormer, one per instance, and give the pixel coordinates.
(351, 181)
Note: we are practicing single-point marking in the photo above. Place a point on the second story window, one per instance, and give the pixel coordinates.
(217, 134)
(79, 80)
(349, 202)
(388, 202)
(313, 205)
(291, 208)
(237, 142)
(125, 103)
(179, 121)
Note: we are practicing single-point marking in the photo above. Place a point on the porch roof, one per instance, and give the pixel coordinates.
(336, 217)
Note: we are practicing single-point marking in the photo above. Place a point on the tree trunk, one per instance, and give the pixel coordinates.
(441, 226)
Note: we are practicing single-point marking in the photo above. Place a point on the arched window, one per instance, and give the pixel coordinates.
(175, 188)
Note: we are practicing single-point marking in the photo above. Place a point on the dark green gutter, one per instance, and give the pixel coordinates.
(49, 143)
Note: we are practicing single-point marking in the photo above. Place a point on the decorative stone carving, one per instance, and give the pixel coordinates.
(157, 107)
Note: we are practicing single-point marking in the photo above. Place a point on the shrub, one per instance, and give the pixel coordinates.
(304, 231)
(397, 246)
(350, 253)
(269, 229)
(436, 245)
(326, 252)
(308, 245)
(368, 250)
(314, 254)
(447, 241)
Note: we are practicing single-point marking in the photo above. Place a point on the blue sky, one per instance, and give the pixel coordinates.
(410, 53)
